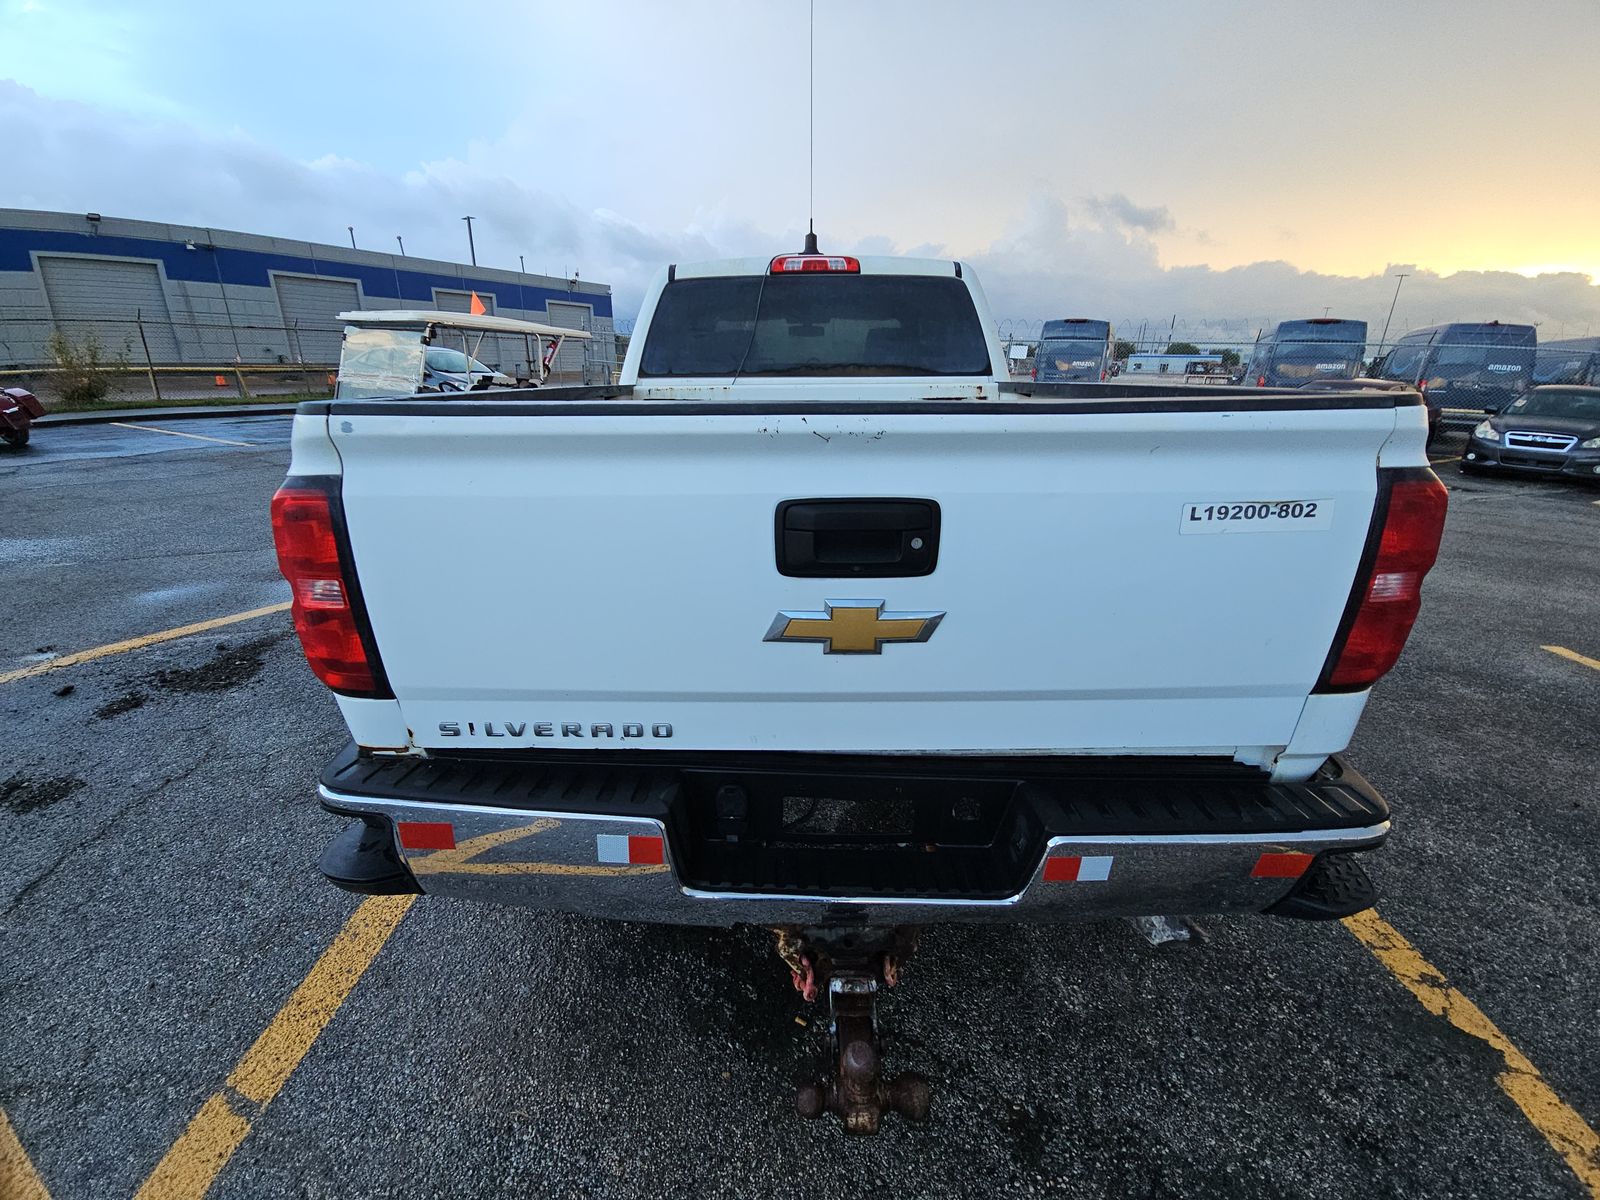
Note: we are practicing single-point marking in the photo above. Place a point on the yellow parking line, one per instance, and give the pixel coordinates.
(138, 643)
(1574, 656)
(461, 860)
(199, 437)
(193, 1163)
(420, 867)
(1567, 1132)
(18, 1178)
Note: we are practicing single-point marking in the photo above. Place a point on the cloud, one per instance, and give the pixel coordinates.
(1094, 256)
(1117, 209)
(1049, 265)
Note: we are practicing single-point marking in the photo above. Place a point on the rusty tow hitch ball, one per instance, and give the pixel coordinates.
(857, 1093)
(860, 1108)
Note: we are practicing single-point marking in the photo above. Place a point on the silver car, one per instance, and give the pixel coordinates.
(447, 370)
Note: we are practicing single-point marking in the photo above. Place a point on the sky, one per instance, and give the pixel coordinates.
(1214, 166)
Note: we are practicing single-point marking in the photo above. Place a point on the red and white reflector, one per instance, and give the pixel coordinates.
(1391, 591)
(1076, 868)
(307, 540)
(1289, 865)
(426, 835)
(635, 849)
(805, 264)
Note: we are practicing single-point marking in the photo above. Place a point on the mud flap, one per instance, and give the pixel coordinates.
(1335, 885)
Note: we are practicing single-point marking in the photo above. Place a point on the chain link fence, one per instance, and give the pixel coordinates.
(1463, 369)
(105, 360)
(102, 361)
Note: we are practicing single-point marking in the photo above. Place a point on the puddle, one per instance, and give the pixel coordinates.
(23, 794)
(17, 550)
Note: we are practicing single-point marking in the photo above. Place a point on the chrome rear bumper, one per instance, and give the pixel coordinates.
(623, 867)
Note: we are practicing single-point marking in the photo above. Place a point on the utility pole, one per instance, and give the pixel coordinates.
(402, 242)
(216, 266)
(352, 230)
(471, 249)
(1399, 279)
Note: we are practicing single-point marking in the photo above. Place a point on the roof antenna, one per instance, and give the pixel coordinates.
(811, 200)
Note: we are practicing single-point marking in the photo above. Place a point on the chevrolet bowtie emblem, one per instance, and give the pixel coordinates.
(853, 627)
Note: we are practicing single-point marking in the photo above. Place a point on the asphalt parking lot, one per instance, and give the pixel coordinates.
(160, 910)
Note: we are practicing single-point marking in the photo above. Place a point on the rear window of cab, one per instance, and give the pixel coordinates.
(815, 324)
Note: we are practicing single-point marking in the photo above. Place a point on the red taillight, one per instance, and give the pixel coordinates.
(1102, 374)
(801, 264)
(1390, 591)
(324, 610)
(1033, 372)
(1261, 381)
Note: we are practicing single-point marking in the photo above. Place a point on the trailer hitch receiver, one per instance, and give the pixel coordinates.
(855, 966)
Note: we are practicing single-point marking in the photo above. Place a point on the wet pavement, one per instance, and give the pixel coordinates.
(159, 904)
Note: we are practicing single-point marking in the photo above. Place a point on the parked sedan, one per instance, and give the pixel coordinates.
(448, 370)
(1549, 431)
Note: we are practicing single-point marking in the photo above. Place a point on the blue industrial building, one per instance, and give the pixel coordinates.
(183, 295)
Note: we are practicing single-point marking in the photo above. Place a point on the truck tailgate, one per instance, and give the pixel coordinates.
(606, 576)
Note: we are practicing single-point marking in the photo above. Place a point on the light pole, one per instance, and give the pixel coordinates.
(471, 249)
(402, 242)
(1399, 279)
(216, 266)
(522, 264)
(352, 230)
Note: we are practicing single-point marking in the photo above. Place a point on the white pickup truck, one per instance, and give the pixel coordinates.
(817, 621)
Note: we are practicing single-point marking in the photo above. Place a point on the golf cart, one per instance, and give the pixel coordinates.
(400, 352)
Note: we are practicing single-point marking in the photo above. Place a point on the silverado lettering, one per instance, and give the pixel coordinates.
(547, 729)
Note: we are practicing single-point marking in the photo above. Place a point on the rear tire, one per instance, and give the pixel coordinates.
(16, 437)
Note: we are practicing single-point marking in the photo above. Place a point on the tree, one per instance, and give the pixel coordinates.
(1182, 348)
(1124, 348)
(1230, 358)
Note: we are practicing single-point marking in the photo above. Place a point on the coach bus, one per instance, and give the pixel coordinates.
(1296, 352)
(1476, 368)
(1074, 349)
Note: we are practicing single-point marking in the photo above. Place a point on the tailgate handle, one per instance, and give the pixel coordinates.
(863, 539)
